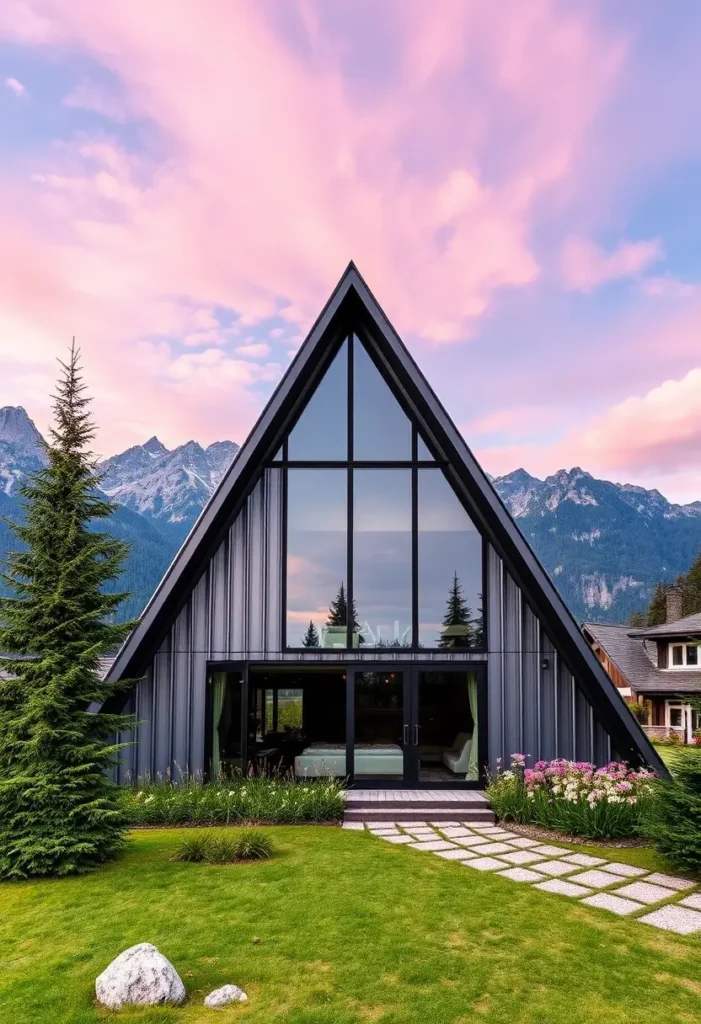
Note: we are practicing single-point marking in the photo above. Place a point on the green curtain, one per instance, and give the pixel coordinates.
(473, 764)
(218, 694)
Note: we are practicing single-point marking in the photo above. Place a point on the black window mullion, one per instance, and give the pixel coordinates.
(414, 556)
(349, 537)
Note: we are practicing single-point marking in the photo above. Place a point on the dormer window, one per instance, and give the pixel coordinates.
(684, 656)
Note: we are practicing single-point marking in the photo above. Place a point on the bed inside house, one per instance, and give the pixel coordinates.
(374, 759)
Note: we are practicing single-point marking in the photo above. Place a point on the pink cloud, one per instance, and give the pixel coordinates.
(253, 350)
(585, 266)
(16, 87)
(88, 96)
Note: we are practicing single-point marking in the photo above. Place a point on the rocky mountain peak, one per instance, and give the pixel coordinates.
(16, 428)
(154, 447)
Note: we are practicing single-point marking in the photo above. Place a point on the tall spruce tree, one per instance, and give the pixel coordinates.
(311, 637)
(457, 614)
(690, 583)
(657, 609)
(59, 812)
(338, 612)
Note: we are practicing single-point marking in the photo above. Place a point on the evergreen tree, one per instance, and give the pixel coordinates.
(457, 614)
(690, 583)
(311, 637)
(59, 813)
(657, 609)
(637, 620)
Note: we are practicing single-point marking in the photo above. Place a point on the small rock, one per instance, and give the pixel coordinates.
(140, 976)
(225, 995)
(256, 940)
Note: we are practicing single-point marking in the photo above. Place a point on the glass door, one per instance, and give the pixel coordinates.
(448, 725)
(380, 750)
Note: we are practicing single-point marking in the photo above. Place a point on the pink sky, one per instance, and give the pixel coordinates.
(183, 183)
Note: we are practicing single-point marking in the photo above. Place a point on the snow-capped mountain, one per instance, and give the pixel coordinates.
(168, 487)
(605, 545)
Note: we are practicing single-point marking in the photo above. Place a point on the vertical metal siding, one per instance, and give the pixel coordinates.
(234, 612)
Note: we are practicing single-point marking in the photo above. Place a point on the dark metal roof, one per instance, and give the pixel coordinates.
(353, 308)
(637, 660)
(690, 625)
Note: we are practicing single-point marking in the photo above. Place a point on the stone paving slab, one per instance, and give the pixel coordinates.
(374, 824)
(384, 831)
(595, 879)
(521, 857)
(432, 847)
(484, 863)
(694, 902)
(421, 834)
(607, 901)
(492, 849)
(521, 875)
(674, 918)
(669, 881)
(469, 840)
(442, 824)
(485, 830)
(353, 826)
(626, 870)
(454, 854)
(563, 888)
(644, 893)
(455, 833)
(557, 867)
(523, 843)
(583, 859)
(549, 851)
(398, 839)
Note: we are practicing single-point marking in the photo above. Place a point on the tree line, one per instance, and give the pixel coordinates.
(690, 585)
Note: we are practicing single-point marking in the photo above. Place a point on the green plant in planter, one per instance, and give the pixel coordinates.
(673, 819)
(640, 709)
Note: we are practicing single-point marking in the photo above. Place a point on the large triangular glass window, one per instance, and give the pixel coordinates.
(381, 430)
(321, 432)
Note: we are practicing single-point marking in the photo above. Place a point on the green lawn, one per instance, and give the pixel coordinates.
(351, 930)
(667, 753)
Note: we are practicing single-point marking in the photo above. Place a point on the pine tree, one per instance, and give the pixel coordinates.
(338, 612)
(59, 813)
(657, 609)
(311, 637)
(637, 620)
(690, 583)
(457, 614)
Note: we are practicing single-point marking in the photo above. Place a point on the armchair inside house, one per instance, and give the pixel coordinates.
(457, 759)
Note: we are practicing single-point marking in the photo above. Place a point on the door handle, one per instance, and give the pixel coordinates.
(406, 735)
(416, 735)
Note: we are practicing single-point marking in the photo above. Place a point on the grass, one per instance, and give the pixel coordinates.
(351, 929)
(668, 752)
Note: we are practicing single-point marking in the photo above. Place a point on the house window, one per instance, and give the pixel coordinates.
(380, 551)
(685, 656)
(676, 716)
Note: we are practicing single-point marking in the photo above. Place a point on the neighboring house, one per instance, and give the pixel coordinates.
(660, 665)
(356, 600)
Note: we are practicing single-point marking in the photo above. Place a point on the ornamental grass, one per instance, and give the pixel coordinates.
(264, 800)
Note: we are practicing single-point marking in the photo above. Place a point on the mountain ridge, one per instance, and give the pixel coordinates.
(605, 545)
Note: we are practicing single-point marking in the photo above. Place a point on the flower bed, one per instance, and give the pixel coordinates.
(574, 797)
(262, 800)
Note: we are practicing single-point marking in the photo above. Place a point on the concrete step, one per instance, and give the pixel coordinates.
(435, 802)
(416, 812)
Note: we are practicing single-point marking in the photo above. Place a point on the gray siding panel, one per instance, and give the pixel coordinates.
(234, 612)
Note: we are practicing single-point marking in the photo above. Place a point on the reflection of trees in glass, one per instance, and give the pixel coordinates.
(338, 612)
(460, 629)
(311, 637)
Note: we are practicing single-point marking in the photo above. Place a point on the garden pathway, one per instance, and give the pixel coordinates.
(663, 901)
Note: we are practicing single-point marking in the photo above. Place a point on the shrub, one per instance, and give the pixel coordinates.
(672, 739)
(640, 709)
(224, 847)
(271, 800)
(673, 819)
(573, 797)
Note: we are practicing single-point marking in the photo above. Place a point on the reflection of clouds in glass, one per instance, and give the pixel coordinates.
(321, 432)
(381, 428)
(316, 546)
(449, 543)
(382, 553)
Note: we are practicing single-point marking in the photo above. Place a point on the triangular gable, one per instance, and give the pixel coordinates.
(352, 308)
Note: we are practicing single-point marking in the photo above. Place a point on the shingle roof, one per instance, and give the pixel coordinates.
(690, 624)
(630, 654)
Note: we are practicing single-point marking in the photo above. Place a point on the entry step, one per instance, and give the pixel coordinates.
(417, 812)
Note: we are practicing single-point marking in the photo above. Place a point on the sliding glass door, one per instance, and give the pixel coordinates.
(379, 746)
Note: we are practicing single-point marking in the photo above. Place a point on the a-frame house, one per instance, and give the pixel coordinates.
(356, 600)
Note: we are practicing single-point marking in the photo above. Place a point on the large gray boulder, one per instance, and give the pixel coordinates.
(140, 976)
(225, 995)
